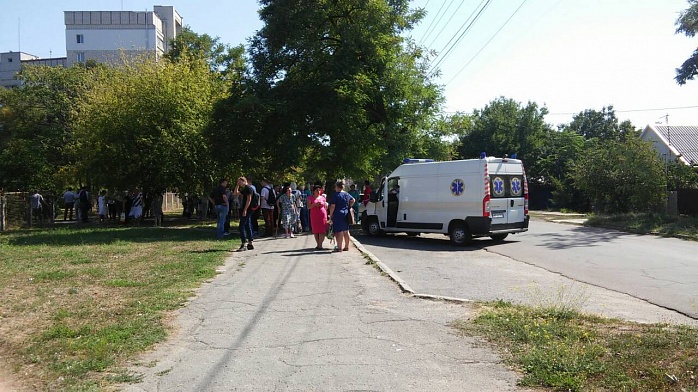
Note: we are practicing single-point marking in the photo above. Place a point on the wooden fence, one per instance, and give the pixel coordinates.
(16, 211)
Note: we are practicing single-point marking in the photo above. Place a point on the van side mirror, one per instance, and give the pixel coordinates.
(373, 197)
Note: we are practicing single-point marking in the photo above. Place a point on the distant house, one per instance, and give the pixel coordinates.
(11, 64)
(675, 142)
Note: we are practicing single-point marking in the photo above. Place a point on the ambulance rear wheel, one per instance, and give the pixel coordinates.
(460, 235)
(374, 228)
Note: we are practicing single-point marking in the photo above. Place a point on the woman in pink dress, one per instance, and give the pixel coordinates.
(317, 205)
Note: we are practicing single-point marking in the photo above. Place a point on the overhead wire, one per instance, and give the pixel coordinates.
(432, 21)
(444, 55)
(428, 33)
(631, 110)
(446, 24)
(487, 43)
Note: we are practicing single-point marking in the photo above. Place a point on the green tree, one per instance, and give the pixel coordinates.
(223, 59)
(442, 140)
(36, 139)
(335, 86)
(687, 24)
(601, 125)
(559, 153)
(505, 127)
(621, 175)
(143, 123)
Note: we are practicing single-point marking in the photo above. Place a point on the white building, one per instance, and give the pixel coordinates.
(11, 63)
(674, 143)
(104, 36)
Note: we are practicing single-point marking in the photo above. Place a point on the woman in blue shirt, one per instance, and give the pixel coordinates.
(340, 203)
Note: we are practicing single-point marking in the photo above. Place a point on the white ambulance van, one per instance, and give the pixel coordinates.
(485, 197)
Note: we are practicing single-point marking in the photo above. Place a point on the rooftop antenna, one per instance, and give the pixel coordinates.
(19, 40)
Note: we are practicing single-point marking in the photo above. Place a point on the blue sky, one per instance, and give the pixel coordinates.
(569, 55)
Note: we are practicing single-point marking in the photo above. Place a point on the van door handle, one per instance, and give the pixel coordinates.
(512, 203)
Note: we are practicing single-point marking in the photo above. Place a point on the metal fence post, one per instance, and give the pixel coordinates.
(3, 220)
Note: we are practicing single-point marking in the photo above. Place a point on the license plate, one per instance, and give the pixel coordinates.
(495, 216)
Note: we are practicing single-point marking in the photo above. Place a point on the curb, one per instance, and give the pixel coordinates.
(400, 282)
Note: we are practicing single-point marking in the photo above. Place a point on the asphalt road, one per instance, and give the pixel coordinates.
(640, 278)
(662, 271)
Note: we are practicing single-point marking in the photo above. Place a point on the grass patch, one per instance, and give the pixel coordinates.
(568, 351)
(685, 227)
(77, 302)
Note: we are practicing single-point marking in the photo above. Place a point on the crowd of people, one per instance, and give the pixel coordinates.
(289, 208)
(125, 207)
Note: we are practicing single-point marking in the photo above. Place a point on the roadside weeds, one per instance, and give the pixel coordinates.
(565, 350)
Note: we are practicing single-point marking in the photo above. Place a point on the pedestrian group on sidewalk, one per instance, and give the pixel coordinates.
(294, 209)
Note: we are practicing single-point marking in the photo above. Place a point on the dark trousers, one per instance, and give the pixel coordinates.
(68, 213)
(246, 228)
(269, 226)
(84, 209)
(226, 226)
(255, 220)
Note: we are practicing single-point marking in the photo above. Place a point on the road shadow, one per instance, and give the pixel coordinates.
(421, 243)
(581, 237)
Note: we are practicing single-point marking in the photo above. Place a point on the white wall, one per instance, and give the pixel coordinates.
(111, 39)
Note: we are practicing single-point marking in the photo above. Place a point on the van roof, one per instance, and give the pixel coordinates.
(457, 166)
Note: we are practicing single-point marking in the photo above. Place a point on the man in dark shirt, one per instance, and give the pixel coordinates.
(220, 199)
(244, 191)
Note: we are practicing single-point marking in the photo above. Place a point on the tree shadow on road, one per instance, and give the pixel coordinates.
(581, 237)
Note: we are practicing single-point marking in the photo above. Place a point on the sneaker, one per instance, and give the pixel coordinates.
(292, 236)
(241, 248)
(250, 246)
(226, 233)
(285, 235)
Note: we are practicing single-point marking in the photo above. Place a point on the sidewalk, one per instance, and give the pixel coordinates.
(284, 317)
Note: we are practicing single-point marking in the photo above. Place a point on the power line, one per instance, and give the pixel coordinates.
(631, 110)
(487, 43)
(444, 55)
(432, 22)
(428, 34)
(447, 23)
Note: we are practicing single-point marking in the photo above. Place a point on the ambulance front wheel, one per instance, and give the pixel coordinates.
(460, 235)
(373, 227)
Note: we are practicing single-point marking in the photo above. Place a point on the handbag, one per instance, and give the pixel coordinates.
(350, 217)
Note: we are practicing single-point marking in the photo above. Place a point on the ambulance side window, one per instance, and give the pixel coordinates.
(381, 190)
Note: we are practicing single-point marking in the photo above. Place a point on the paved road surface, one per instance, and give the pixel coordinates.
(663, 271)
(549, 266)
(286, 318)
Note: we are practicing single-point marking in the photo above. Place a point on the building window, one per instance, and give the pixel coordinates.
(81, 57)
(80, 38)
(9, 59)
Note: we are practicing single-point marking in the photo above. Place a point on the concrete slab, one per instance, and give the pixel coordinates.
(284, 317)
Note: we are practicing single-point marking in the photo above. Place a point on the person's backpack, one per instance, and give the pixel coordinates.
(254, 203)
(271, 197)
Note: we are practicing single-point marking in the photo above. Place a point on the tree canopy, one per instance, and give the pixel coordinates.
(142, 125)
(334, 86)
(687, 24)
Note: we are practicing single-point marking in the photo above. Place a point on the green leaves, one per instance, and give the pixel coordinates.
(142, 125)
(621, 176)
(338, 85)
